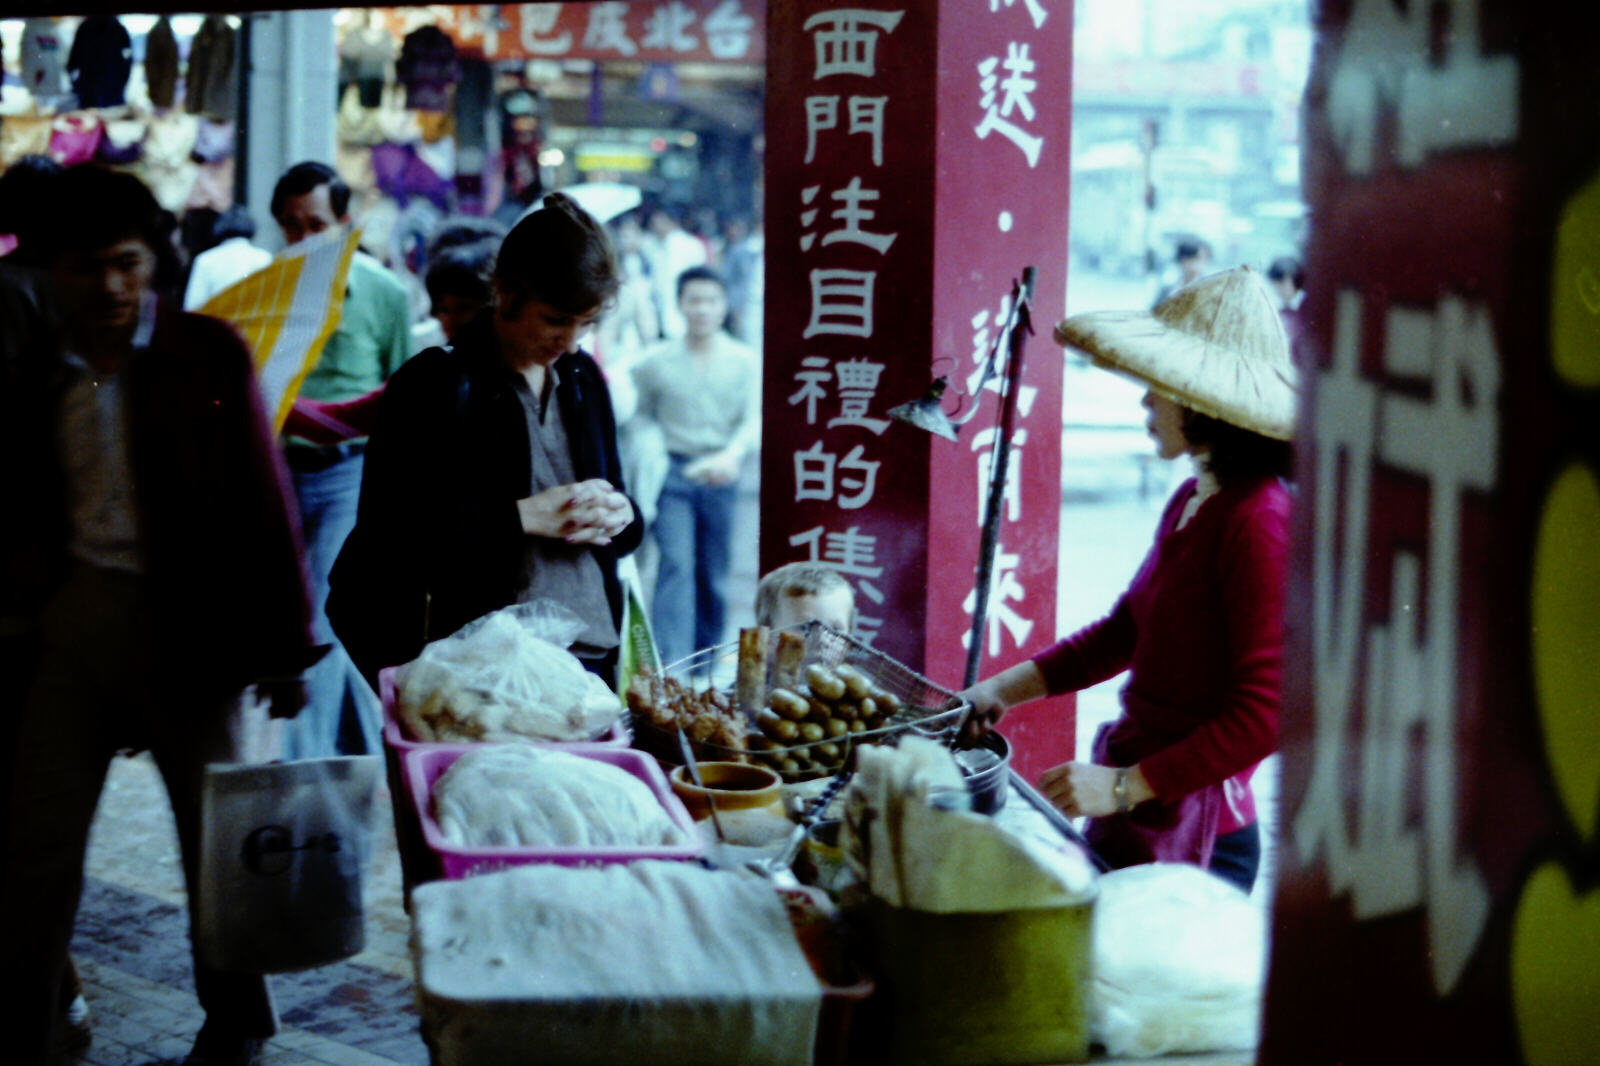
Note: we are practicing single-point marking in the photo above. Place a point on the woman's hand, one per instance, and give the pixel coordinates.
(1060, 335)
(586, 512)
(993, 696)
(1088, 790)
(988, 707)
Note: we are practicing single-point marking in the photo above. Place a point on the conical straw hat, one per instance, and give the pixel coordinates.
(1216, 346)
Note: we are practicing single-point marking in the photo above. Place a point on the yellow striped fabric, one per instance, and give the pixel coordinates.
(286, 312)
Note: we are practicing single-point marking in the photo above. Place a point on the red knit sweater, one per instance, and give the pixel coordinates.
(1200, 630)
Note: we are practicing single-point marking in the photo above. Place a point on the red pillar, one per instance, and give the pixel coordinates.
(1438, 896)
(917, 161)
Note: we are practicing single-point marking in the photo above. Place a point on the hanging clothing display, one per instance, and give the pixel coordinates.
(161, 63)
(44, 57)
(100, 61)
(428, 68)
(212, 85)
(365, 56)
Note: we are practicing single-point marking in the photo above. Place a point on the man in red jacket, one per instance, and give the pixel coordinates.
(151, 539)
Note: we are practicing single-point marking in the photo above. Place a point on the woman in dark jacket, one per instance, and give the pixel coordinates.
(493, 477)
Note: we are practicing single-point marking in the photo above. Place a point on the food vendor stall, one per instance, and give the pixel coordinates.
(817, 903)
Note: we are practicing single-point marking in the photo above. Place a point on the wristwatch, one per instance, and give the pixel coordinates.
(1119, 791)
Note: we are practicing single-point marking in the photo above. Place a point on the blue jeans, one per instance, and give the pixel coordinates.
(694, 524)
(341, 716)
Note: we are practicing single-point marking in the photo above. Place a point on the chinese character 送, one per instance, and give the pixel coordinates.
(1002, 97)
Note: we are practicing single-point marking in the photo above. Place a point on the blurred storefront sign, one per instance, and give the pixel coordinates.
(646, 31)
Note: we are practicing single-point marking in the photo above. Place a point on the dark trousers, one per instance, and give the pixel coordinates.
(1236, 857)
(106, 681)
(693, 530)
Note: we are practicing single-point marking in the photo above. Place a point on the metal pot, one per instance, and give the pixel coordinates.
(986, 767)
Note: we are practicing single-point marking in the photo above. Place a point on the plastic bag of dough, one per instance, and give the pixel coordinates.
(523, 796)
(1179, 961)
(506, 676)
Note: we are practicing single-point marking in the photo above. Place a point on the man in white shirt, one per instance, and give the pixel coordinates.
(671, 250)
(233, 258)
(704, 391)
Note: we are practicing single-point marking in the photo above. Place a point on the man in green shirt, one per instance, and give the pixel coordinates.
(372, 340)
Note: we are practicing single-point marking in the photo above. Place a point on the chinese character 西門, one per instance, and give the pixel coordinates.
(866, 116)
(847, 39)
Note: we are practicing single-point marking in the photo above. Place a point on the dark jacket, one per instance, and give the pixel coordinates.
(219, 539)
(438, 540)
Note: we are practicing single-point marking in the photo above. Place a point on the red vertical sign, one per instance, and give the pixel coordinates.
(1441, 767)
(1005, 101)
(903, 195)
(849, 244)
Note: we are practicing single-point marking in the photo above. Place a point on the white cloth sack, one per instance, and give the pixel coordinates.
(1179, 962)
(516, 795)
(649, 962)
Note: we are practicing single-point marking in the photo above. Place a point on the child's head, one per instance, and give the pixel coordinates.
(804, 592)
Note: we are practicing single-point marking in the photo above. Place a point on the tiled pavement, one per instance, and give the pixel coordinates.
(132, 950)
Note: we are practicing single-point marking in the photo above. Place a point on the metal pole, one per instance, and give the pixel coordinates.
(1023, 295)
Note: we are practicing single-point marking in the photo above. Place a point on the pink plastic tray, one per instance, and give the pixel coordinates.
(617, 736)
(424, 765)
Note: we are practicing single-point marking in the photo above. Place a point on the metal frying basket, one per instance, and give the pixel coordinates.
(927, 708)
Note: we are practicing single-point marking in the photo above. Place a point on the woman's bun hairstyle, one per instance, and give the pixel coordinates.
(558, 255)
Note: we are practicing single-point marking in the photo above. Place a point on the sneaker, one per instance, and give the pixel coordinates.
(74, 1033)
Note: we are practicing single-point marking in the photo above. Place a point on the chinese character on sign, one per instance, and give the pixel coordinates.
(812, 376)
(853, 554)
(852, 214)
(728, 31)
(858, 383)
(866, 116)
(984, 444)
(1004, 590)
(539, 20)
(1003, 97)
(841, 302)
(847, 39)
(821, 475)
(1387, 858)
(667, 28)
(607, 29)
(1034, 9)
(981, 340)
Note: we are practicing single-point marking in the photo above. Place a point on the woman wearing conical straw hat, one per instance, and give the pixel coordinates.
(1200, 628)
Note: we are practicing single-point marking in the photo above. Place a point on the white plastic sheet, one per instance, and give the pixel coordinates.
(1179, 961)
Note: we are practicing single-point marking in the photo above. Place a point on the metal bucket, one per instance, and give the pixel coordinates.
(985, 766)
